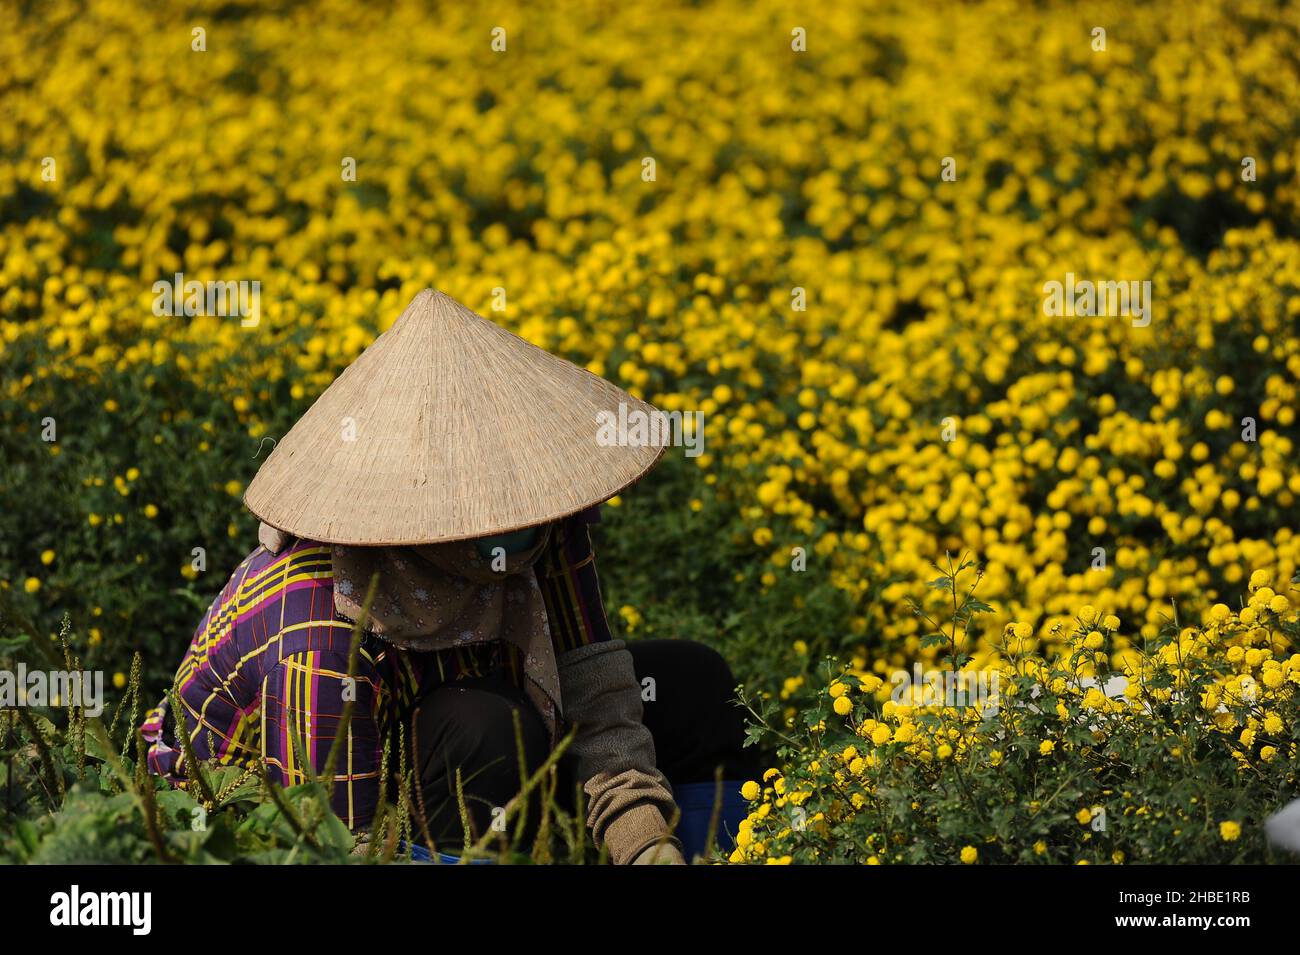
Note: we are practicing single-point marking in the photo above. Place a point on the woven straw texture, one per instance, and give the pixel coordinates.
(447, 427)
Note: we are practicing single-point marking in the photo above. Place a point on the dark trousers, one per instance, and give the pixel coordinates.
(469, 726)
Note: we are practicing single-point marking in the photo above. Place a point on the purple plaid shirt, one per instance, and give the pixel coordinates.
(269, 663)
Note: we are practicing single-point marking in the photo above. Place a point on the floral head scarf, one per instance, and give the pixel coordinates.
(444, 596)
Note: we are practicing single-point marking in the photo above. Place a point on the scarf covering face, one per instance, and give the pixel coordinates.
(445, 596)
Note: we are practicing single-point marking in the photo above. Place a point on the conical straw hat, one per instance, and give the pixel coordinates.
(448, 427)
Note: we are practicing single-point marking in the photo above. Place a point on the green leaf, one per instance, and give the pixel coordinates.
(10, 644)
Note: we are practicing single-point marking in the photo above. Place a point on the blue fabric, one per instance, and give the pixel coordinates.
(696, 802)
(420, 854)
(513, 543)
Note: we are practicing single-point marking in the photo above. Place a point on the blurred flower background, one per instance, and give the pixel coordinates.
(736, 208)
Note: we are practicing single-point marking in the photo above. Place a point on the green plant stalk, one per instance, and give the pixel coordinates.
(234, 785)
(76, 712)
(376, 832)
(54, 783)
(420, 816)
(521, 821)
(299, 750)
(513, 806)
(463, 810)
(187, 752)
(715, 816)
(542, 844)
(273, 793)
(148, 804)
(11, 747)
(345, 718)
(580, 822)
(403, 794)
(140, 788)
(133, 693)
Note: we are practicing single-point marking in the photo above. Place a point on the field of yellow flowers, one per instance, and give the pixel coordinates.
(828, 227)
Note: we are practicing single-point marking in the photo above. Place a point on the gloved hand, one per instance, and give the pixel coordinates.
(664, 853)
(630, 800)
(272, 538)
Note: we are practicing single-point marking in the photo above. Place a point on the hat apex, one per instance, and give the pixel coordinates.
(449, 427)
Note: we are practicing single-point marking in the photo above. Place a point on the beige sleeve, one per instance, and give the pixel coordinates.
(631, 804)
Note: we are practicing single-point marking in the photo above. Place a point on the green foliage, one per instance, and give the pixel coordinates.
(75, 791)
(1177, 752)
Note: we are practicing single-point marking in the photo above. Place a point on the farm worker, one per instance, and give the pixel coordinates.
(455, 466)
